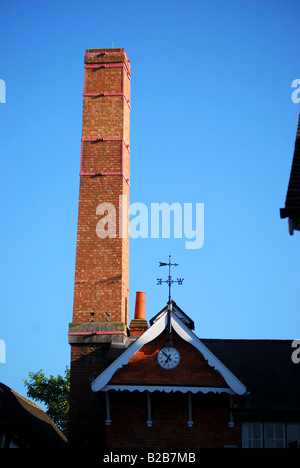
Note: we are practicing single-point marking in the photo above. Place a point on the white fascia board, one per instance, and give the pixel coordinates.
(186, 334)
(233, 382)
(167, 389)
(155, 330)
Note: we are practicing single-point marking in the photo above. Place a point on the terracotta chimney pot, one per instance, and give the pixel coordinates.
(139, 324)
(140, 306)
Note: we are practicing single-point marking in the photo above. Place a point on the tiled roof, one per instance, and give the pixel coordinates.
(266, 368)
(26, 422)
(292, 203)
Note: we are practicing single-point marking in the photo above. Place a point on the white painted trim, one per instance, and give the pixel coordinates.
(190, 422)
(186, 334)
(233, 382)
(166, 388)
(149, 412)
(108, 420)
(149, 335)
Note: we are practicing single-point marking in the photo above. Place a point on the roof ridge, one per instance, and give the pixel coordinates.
(21, 397)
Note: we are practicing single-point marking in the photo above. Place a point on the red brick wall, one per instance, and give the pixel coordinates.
(87, 409)
(143, 367)
(210, 412)
(169, 421)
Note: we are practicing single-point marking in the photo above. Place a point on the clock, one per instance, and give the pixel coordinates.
(168, 358)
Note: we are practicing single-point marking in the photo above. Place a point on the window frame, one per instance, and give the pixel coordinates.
(248, 439)
(278, 441)
(288, 425)
(275, 441)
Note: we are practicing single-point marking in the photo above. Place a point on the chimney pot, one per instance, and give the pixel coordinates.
(139, 324)
(140, 306)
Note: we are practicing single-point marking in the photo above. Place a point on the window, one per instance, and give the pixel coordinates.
(270, 435)
(274, 435)
(293, 435)
(252, 435)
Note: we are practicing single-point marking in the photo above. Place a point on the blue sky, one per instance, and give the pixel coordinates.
(212, 121)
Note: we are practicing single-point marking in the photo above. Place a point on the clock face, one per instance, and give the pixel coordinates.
(168, 358)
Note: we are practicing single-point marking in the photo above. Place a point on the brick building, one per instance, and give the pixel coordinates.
(154, 383)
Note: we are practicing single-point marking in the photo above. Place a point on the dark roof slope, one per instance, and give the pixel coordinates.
(27, 421)
(266, 369)
(292, 203)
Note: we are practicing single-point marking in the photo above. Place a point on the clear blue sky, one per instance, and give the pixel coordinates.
(212, 121)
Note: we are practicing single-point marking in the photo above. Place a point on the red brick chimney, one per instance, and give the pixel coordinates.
(101, 309)
(139, 324)
(102, 264)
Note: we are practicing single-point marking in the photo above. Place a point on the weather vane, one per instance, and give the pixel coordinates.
(169, 281)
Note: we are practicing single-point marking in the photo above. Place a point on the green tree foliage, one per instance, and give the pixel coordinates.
(54, 393)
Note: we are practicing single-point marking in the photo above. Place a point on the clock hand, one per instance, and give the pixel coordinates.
(167, 356)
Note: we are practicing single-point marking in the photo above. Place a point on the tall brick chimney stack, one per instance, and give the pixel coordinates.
(101, 309)
(101, 276)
